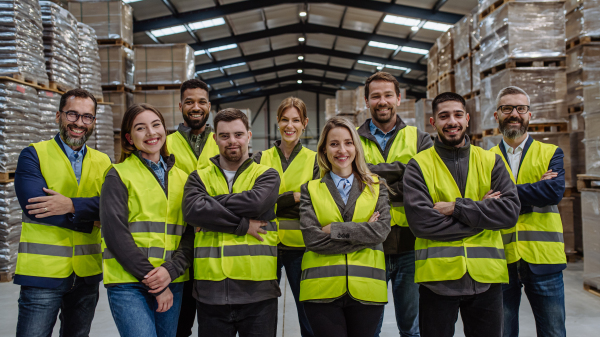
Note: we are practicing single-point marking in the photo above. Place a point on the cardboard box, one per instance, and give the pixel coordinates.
(110, 19)
(121, 101)
(163, 64)
(166, 101)
(117, 65)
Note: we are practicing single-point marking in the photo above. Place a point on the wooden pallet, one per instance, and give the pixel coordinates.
(471, 95)
(490, 132)
(525, 63)
(7, 177)
(585, 181)
(575, 109)
(144, 87)
(114, 42)
(18, 78)
(591, 289)
(492, 8)
(6, 276)
(571, 192)
(582, 40)
(120, 88)
(573, 256)
(548, 127)
(460, 59)
(431, 85)
(444, 75)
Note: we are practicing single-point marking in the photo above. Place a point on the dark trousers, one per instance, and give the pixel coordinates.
(74, 299)
(481, 314)
(248, 320)
(187, 314)
(292, 261)
(344, 317)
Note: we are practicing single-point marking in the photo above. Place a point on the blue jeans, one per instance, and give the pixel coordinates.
(546, 294)
(39, 307)
(400, 269)
(292, 261)
(134, 311)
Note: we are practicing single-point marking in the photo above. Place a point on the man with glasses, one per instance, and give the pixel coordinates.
(58, 184)
(534, 248)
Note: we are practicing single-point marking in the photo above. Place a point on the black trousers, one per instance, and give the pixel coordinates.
(245, 320)
(187, 315)
(344, 317)
(482, 314)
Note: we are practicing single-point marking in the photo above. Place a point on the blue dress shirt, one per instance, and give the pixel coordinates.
(343, 185)
(159, 169)
(75, 157)
(381, 137)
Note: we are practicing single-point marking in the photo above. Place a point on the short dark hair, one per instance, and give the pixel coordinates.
(78, 93)
(193, 84)
(446, 97)
(382, 76)
(231, 114)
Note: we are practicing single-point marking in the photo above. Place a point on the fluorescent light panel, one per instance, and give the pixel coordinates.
(168, 31)
(130, 1)
(200, 52)
(207, 70)
(370, 63)
(396, 67)
(234, 65)
(415, 50)
(207, 23)
(383, 45)
(221, 48)
(440, 27)
(401, 20)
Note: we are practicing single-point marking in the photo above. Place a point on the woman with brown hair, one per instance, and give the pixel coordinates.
(146, 246)
(344, 218)
(293, 162)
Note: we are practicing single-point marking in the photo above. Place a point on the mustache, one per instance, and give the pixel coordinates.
(448, 127)
(513, 119)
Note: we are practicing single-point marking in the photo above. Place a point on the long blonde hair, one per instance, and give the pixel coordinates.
(359, 165)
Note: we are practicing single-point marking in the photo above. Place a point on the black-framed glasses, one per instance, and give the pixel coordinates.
(508, 109)
(73, 116)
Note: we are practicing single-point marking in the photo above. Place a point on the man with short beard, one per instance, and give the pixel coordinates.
(457, 197)
(58, 184)
(389, 144)
(534, 248)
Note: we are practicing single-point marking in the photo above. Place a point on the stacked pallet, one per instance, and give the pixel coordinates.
(10, 230)
(49, 102)
(89, 61)
(112, 20)
(423, 113)
(345, 105)
(103, 132)
(445, 61)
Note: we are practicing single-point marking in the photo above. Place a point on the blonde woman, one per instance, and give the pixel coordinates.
(344, 218)
(293, 163)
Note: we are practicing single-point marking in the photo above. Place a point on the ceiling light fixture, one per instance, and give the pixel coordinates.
(299, 81)
(440, 27)
(299, 71)
(300, 57)
(206, 70)
(302, 14)
(200, 52)
(169, 31)
(206, 23)
(414, 28)
(301, 39)
(234, 65)
(370, 63)
(401, 20)
(383, 45)
(415, 50)
(221, 48)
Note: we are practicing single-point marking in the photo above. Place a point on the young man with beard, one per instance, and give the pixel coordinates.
(389, 144)
(232, 201)
(457, 198)
(534, 249)
(58, 184)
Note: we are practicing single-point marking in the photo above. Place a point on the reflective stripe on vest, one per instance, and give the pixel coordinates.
(362, 273)
(298, 172)
(402, 149)
(538, 236)
(185, 158)
(218, 256)
(481, 255)
(57, 252)
(155, 220)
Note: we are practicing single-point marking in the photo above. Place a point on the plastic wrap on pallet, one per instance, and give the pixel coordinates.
(432, 91)
(522, 30)
(49, 103)
(462, 36)
(117, 63)
(166, 101)
(572, 4)
(406, 110)
(590, 212)
(474, 36)
(10, 227)
(565, 209)
(576, 81)
(21, 45)
(583, 21)
(592, 143)
(445, 60)
(103, 131)
(546, 88)
(121, 101)
(163, 63)
(562, 140)
(474, 111)
(591, 96)
(423, 112)
(445, 39)
(61, 45)
(89, 61)
(362, 116)
(329, 107)
(584, 57)
(489, 142)
(576, 122)
(462, 72)
(344, 102)
(432, 64)
(577, 155)
(110, 19)
(359, 98)
(475, 70)
(446, 84)
(486, 4)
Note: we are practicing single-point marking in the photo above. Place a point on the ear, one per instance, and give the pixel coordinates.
(58, 117)
(432, 121)
(128, 137)
(215, 136)
(180, 107)
(367, 103)
(496, 117)
(249, 135)
(399, 100)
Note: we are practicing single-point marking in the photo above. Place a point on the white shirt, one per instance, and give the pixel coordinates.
(229, 175)
(514, 156)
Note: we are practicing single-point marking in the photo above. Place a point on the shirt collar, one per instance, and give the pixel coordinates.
(337, 179)
(521, 146)
(374, 129)
(161, 162)
(69, 151)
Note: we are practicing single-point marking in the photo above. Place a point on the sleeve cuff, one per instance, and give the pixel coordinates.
(242, 229)
(457, 208)
(337, 232)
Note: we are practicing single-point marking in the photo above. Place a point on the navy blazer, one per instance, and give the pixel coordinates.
(29, 182)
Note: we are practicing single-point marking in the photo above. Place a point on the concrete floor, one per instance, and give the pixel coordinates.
(583, 312)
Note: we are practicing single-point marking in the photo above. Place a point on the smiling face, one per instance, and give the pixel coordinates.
(291, 125)
(340, 150)
(513, 125)
(147, 134)
(382, 101)
(232, 139)
(75, 134)
(451, 122)
(195, 108)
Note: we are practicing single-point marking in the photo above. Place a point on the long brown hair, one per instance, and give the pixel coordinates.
(127, 124)
(292, 102)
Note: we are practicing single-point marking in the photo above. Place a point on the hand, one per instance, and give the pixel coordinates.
(444, 207)
(197, 229)
(374, 217)
(157, 279)
(297, 197)
(165, 301)
(54, 204)
(97, 224)
(326, 229)
(492, 195)
(549, 175)
(255, 228)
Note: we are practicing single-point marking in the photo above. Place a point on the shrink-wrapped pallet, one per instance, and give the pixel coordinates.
(583, 68)
(475, 37)
(117, 64)
(329, 108)
(446, 84)
(103, 133)
(572, 4)
(432, 65)
(20, 122)
(474, 111)
(519, 30)
(166, 101)
(583, 21)
(577, 154)
(576, 81)
(562, 140)
(462, 73)
(475, 70)
(344, 102)
(445, 60)
(423, 112)
(110, 19)
(89, 61)
(546, 88)
(432, 91)
(591, 96)
(163, 63)
(592, 144)
(362, 116)
(359, 98)
(565, 209)
(10, 227)
(489, 142)
(406, 111)
(462, 37)
(21, 44)
(49, 103)
(590, 213)
(61, 45)
(445, 39)
(121, 101)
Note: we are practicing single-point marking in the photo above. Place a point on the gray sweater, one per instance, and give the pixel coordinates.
(470, 216)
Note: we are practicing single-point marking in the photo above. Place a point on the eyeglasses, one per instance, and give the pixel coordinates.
(73, 116)
(508, 109)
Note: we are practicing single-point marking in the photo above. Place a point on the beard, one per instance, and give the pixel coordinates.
(195, 124)
(233, 157)
(383, 119)
(66, 137)
(511, 132)
(452, 141)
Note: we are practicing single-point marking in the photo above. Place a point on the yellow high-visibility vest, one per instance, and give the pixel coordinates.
(56, 252)
(185, 158)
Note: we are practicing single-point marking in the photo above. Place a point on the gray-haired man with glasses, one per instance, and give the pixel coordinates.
(534, 248)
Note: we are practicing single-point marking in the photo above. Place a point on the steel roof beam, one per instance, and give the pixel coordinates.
(274, 91)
